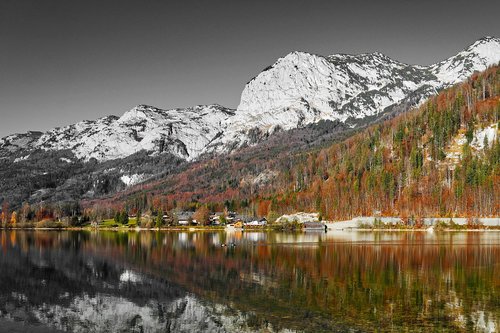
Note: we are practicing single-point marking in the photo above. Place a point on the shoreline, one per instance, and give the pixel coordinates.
(267, 229)
(423, 230)
(361, 223)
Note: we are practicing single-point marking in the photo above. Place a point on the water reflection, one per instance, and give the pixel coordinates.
(190, 281)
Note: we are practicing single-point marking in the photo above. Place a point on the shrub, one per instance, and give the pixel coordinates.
(50, 224)
(363, 225)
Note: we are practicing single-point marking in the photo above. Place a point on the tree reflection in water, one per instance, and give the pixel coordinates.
(188, 281)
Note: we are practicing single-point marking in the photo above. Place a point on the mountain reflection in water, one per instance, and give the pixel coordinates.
(268, 282)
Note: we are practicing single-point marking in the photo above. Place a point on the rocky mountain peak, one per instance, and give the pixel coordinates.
(482, 53)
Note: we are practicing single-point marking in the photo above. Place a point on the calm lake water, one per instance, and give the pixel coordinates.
(54, 281)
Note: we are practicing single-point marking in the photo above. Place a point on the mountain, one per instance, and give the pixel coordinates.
(303, 88)
(95, 158)
(441, 159)
(299, 91)
(182, 132)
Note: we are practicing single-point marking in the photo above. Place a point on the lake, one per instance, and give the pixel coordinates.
(82, 281)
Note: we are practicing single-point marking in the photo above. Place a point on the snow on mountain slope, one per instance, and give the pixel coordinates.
(483, 53)
(303, 88)
(182, 132)
(17, 143)
(327, 84)
(299, 89)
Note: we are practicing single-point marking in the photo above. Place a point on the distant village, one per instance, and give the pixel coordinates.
(228, 218)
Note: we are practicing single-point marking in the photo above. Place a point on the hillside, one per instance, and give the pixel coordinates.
(442, 159)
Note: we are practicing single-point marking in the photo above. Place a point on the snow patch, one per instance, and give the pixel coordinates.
(19, 159)
(265, 177)
(490, 133)
(130, 180)
(130, 276)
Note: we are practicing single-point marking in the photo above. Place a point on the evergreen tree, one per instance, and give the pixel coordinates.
(124, 217)
(139, 215)
(469, 134)
(159, 218)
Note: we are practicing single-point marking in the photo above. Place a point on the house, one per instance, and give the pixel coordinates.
(243, 218)
(215, 218)
(185, 218)
(231, 217)
(261, 222)
(167, 219)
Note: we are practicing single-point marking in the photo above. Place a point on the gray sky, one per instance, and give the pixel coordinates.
(63, 61)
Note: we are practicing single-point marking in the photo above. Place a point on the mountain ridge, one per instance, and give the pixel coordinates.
(305, 88)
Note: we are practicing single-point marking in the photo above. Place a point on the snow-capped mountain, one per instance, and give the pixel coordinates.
(182, 132)
(303, 88)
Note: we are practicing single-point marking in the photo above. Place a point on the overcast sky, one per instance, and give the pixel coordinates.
(62, 61)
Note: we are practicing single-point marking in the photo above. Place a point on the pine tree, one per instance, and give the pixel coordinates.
(469, 134)
(485, 142)
(159, 218)
(124, 217)
(139, 215)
